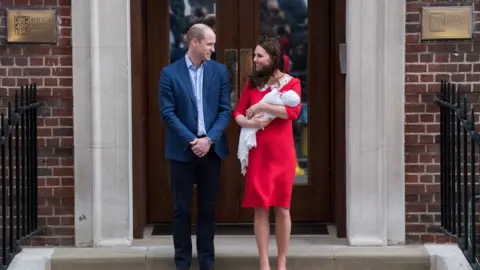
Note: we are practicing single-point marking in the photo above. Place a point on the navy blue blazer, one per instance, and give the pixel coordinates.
(178, 108)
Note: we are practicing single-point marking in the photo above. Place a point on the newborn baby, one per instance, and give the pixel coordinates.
(248, 138)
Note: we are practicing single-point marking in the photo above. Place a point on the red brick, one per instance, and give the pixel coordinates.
(50, 66)
(430, 62)
(409, 178)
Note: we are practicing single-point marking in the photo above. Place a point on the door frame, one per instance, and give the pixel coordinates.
(140, 116)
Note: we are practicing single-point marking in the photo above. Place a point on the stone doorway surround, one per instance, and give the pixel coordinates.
(102, 93)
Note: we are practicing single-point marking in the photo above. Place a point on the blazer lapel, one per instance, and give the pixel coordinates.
(185, 74)
(207, 77)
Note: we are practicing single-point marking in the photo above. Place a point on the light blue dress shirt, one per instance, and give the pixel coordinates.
(196, 77)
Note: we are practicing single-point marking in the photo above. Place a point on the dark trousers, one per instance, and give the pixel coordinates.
(205, 172)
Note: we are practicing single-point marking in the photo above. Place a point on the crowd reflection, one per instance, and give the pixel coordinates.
(287, 21)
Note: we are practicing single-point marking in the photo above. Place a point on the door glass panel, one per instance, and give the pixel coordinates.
(183, 14)
(287, 21)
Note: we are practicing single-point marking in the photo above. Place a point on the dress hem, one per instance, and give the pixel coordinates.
(264, 206)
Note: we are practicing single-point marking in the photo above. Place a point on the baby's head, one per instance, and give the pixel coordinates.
(274, 93)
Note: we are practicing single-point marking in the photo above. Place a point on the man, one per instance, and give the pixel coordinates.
(194, 99)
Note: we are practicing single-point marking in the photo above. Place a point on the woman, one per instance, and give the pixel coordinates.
(271, 166)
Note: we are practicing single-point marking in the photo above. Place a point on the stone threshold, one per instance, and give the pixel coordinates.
(243, 257)
(240, 253)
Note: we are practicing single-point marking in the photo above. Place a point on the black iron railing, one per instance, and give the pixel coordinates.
(19, 183)
(459, 144)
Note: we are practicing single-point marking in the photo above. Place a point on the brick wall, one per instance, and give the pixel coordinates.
(50, 66)
(427, 63)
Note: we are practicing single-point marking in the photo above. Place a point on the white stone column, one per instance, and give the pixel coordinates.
(375, 122)
(102, 122)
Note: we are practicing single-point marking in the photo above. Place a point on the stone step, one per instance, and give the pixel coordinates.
(308, 253)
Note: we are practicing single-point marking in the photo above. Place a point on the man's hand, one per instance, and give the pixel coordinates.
(195, 141)
(200, 147)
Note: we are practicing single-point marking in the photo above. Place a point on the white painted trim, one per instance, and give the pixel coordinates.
(32, 259)
(366, 241)
(375, 122)
(82, 126)
(395, 123)
(447, 257)
(120, 242)
(130, 125)
(102, 116)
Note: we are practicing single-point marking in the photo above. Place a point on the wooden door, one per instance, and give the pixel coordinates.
(238, 25)
(304, 28)
(164, 45)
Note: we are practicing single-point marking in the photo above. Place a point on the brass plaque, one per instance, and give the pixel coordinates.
(453, 22)
(246, 65)
(32, 26)
(231, 62)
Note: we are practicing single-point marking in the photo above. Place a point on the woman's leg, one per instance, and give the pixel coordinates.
(261, 226)
(283, 227)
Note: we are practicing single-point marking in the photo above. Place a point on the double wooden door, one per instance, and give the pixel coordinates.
(306, 31)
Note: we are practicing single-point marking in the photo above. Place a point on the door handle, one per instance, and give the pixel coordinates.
(246, 65)
(231, 62)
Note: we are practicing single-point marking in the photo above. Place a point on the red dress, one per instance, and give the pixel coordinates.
(271, 166)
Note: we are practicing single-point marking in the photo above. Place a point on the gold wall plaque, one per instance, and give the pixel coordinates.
(32, 26)
(246, 65)
(452, 22)
(231, 62)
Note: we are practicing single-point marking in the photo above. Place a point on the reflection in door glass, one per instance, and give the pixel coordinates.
(287, 21)
(183, 14)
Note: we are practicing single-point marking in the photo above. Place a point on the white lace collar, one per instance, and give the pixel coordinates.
(277, 86)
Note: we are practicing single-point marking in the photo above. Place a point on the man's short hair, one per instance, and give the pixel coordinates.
(196, 31)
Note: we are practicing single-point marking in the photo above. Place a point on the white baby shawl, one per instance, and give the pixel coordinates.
(248, 138)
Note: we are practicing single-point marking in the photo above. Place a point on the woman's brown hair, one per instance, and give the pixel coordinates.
(273, 48)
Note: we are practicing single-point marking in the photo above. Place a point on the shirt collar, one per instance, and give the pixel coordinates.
(190, 64)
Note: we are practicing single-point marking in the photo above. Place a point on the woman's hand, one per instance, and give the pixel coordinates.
(254, 110)
(259, 122)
